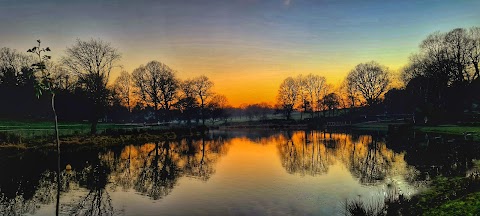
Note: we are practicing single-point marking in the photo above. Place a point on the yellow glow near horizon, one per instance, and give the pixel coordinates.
(256, 83)
(245, 47)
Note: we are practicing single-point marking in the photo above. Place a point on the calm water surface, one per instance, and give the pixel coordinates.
(226, 173)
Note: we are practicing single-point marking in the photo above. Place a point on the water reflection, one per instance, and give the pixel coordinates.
(154, 170)
(24, 204)
(367, 158)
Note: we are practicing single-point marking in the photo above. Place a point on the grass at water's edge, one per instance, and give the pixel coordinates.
(458, 130)
(445, 196)
(102, 140)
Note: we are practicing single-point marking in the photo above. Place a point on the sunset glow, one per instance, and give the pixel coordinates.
(246, 47)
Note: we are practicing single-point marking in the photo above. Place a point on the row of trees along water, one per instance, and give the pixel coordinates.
(441, 78)
(80, 80)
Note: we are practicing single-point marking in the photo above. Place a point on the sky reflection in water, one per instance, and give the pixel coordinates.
(237, 173)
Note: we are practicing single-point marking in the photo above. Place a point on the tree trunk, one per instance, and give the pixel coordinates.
(58, 155)
(155, 111)
(202, 111)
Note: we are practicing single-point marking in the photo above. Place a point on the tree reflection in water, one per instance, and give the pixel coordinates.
(300, 155)
(19, 205)
(367, 158)
(159, 171)
(152, 169)
(97, 201)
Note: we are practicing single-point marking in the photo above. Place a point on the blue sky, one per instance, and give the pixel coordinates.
(268, 40)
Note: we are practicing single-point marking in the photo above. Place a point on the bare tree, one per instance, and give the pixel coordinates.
(287, 96)
(434, 60)
(370, 80)
(10, 58)
(187, 103)
(61, 76)
(352, 96)
(202, 87)
(331, 102)
(457, 50)
(216, 107)
(156, 85)
(474, 49)
(122, 87)
(92, 61)
(314, 86)
(304, 104)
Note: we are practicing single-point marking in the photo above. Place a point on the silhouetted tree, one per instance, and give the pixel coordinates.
(216, 107)
(156, 85)
(474, 49)
(122, 88)
(457, 44)
(331, 102)
(352, 96)
(303, 102)
(17, 81)
(370, 80)
(287, 96)
(92, 61)
(187, 103)
(315, 87)
(440, 77)
(202, 87)
(10, 58)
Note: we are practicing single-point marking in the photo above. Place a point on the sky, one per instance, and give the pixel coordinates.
(246, 47)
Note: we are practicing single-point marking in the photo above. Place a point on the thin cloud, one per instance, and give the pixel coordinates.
(287, 2)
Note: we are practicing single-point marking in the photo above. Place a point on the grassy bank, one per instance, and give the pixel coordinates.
(458, 130)
(451, 129)
(445, 196)
(35, 129)
(25, 135)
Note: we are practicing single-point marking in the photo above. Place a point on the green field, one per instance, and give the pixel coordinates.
(451, 129)
(34, 129)
(459, 130)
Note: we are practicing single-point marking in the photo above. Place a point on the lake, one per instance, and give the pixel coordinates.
(236, 172)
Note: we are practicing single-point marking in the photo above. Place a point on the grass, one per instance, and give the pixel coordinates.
(458, 130)
(445, 196)
(24, 135)
(450, 196)
(45, 129)
(468, 205)
(452, 129)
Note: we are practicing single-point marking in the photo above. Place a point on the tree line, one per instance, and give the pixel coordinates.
(442, 78)
(80, 82)
(363, 86)
(440, 82)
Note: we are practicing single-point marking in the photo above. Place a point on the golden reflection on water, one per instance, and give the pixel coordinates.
(368, 159)
(153, 169)
(303, 169)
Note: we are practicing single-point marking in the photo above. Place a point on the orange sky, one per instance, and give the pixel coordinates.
(246, 47)
(254, 78)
